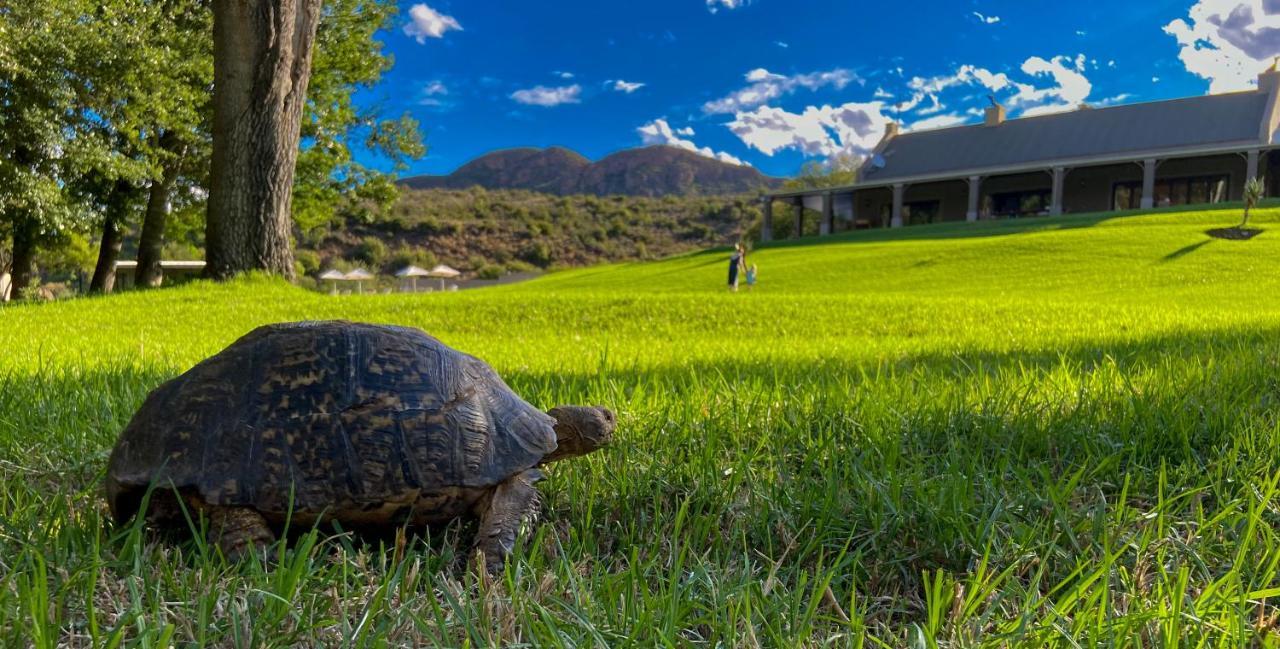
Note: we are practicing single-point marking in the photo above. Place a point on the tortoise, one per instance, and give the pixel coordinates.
(334, 421)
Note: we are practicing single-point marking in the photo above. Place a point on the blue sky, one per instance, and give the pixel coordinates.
(772, 83)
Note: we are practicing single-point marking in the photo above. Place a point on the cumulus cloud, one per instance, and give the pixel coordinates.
(425, 22)
(716, 5)
(1228, 42)
(852, 128)
(563, 75)
(686, 131)
(1039, 86)
(627, 86)
(1067, 88)
(939, 121)
(547, 97)
(766, 86)
(990, 20)
(659, 132)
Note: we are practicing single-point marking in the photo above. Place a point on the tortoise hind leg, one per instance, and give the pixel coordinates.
(238, 531)
(501, 514)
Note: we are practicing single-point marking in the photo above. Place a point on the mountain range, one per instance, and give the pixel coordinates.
(646, 171)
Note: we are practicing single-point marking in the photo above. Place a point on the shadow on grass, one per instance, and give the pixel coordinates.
(1185, 250)
(993, 228)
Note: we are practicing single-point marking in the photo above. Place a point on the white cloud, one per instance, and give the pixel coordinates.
(659, 132)
(1228, 42)
(715, 5)
(766, 86)
(563, 75)
(547, 97)
(990, 20)
(938, 121)
(627, 86)
(818, 131)
(1069, 87)
(686, 131)
(425, 22)
(434, 95)
(784, 45)
(1040, 85)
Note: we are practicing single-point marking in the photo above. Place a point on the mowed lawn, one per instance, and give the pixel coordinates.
(1041, 432)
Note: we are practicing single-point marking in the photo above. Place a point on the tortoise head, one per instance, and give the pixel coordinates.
(581, 430)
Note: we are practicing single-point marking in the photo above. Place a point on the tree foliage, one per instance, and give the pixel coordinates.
(101, 101)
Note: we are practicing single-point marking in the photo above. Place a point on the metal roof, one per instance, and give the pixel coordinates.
(1193, 122)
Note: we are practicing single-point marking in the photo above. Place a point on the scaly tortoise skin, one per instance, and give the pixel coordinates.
(362, 424)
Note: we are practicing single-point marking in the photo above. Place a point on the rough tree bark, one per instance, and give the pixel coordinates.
(104, 273)
(151, 241)
(24, 255)
(262, 63)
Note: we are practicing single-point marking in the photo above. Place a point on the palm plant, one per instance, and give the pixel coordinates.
(1252, 196)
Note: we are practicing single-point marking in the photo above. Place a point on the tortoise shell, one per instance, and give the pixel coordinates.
(328, 417)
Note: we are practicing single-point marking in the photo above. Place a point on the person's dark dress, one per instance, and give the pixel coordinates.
(733, 269)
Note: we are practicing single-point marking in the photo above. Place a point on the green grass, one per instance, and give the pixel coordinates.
(1048, 432)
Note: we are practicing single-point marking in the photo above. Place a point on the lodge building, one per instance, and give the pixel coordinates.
(1177, 152)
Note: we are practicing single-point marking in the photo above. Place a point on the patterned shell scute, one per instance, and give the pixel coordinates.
(330, 415)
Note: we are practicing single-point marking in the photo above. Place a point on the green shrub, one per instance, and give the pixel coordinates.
(538, 253)
(372, 251)
(306, 262)
(489, 271)
(405, 255)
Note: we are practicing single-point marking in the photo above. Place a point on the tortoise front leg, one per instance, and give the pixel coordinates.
(501, 514)
(238, 531)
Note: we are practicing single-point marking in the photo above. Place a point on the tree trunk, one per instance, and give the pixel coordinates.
(24, 256)
(262, 63)
(104, 273)
(151, 241)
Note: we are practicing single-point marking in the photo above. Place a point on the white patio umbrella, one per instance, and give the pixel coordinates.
(359, 276)
(443, 272)
(333, 276)
(413, 273)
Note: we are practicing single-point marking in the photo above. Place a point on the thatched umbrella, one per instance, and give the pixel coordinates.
(333, 276)
(413, 273)
(359, 276)
(443, 272)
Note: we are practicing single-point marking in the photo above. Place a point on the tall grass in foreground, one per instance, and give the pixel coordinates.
(968, 464)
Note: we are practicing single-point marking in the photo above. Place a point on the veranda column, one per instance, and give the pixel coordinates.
(975, 197)
(1055, 205)
(799, 203)
(766, 222)
(1148, 184)
(828, 214)
(899, 190)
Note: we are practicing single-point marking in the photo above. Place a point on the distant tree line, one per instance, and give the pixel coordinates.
(117, 114)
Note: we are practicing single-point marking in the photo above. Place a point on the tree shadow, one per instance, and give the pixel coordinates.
(1185, 250)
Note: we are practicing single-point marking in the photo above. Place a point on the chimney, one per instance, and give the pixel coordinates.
(1269, 80)
(891, 130)
(995, 112)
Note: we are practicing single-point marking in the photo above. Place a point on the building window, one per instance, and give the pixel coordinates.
(1194, 190)
(915, 212)
(1035, 201)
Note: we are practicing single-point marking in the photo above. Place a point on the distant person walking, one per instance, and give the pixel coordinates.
(751, 277)
(736, 261)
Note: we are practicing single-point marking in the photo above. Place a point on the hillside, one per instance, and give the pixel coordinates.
(646, 171)
(491, 232)
(1042, 432)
